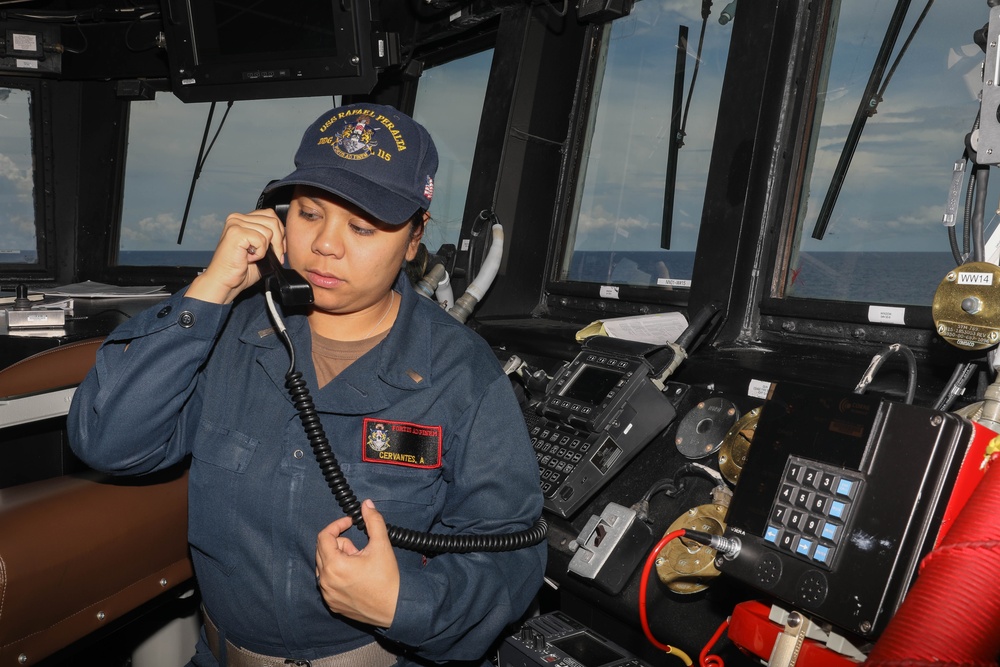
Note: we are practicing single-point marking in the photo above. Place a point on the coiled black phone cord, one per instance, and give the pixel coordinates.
(404, 538)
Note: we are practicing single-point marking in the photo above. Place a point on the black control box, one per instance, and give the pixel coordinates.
(556, 640)
(839, 499)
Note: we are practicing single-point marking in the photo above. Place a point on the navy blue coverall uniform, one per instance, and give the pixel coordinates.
(425, 424)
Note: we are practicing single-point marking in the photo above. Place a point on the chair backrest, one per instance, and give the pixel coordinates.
(42, 386)
(79, 552)
(56, 368)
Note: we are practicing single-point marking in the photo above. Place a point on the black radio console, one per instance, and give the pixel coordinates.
(556, 640)
(598, 412)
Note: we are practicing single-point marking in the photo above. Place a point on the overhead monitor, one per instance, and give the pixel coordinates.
(221, 50)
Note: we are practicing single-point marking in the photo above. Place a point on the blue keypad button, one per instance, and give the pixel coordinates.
(804, 547)
(844, 487)
(837, 509)
(814, 501)
(830, 531)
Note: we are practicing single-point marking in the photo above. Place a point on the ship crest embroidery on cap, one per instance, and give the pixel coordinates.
(356, 140)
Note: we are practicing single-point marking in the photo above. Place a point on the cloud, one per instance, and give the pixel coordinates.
(159, 232)
(22, 179)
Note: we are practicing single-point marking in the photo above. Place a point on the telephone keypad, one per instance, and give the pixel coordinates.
(558, 452)
(812, 506)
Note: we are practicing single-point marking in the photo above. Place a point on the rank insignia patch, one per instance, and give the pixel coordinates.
(402, 443)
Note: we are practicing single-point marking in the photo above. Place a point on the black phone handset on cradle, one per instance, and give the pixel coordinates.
(292, 290)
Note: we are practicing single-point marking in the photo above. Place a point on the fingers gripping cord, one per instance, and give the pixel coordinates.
(404, 538)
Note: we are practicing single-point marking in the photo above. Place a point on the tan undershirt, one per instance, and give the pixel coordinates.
(331, 357)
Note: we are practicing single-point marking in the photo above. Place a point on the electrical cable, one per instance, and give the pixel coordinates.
(705, 660)
(674, 486)
(879, 359)
(981, 176)
(956, 253)
(962, 255)
(404, 538)
(970, 194)
(955, 386)
(475, 232)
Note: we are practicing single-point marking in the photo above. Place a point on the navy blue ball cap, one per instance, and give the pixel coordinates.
(372, 155)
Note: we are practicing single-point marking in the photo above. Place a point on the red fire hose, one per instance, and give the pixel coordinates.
(951, 615)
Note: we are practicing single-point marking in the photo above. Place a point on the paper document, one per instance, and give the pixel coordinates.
(657, 329)
(91, 290)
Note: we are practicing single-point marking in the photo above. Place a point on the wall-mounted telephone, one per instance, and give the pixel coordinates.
(839, 499)
(598, 412)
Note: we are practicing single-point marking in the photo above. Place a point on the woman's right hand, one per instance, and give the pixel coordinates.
(244, 240)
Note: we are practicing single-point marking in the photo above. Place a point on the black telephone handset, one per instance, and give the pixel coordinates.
(287, 284)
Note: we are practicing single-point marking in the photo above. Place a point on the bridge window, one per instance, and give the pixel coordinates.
(649, 141)
(880, 238)
(450, 104)
(18, 222)
(254, 142)
(251, 145)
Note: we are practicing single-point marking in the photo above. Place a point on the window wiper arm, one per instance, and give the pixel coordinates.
(200, 162)
(867, 108)
(676, 140)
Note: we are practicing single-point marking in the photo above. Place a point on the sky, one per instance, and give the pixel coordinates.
(258, 142)
(892, 198)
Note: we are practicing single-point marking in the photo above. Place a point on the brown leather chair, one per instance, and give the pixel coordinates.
(42, 385)
(78, 552)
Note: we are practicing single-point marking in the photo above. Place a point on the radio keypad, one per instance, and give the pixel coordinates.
(813, 504)
(558, 452)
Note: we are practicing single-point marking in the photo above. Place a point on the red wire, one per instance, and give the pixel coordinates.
(643, 585)
(706, 660)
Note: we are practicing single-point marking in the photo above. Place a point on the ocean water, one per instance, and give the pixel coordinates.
(909, 278)
(199, 258)
(906, 278)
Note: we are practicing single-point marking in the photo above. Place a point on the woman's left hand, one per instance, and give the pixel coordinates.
(361, 584)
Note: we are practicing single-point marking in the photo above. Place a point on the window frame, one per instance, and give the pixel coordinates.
(42, 141)
(564, 295)
(781, 316)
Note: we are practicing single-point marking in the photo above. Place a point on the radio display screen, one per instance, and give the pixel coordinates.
(587, 650)
(591, 384)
